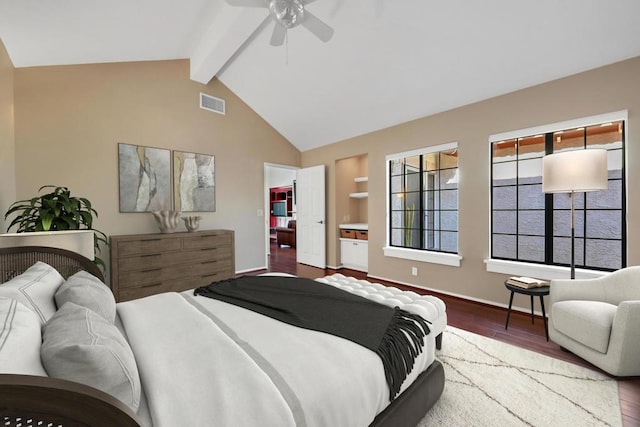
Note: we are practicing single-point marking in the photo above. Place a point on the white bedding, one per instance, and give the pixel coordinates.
(206, 362)
(192, 373)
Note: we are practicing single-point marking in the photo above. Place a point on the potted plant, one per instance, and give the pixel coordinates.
(56, 211)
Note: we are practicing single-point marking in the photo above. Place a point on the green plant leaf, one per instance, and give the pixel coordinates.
(68, 223)
(54, 210)
(46, 220)
(86, 203)
(86, 218)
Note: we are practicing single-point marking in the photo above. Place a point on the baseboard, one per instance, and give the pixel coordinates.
(250, 270)
(480, 301)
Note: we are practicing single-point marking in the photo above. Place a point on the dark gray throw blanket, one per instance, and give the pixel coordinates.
(396, 335)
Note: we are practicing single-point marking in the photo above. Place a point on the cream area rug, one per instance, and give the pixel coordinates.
(490, 383)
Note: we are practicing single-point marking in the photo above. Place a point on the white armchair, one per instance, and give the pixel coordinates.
(599, 320)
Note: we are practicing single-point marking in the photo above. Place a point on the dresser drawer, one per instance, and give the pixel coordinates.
(151, 245)
(208, 268)
(145, 262)
(127, 294)
(151, 275)
(138, 278)
(207, 241)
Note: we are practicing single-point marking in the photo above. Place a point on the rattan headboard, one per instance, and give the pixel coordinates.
(16, 260)
(27, 400)
(32, 401)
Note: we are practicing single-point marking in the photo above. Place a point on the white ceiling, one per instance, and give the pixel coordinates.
(389, 61)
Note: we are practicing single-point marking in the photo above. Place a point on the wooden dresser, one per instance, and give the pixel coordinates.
(147, 264)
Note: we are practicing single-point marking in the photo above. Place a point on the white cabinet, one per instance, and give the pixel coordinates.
(354, 254)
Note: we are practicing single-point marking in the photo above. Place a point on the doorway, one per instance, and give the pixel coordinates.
(280, 208)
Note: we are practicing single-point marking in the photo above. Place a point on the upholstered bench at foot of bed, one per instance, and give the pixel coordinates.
(429, 307)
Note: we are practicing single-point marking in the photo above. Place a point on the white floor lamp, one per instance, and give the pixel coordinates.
(572, 172)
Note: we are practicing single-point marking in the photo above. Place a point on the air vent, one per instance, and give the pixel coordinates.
(211, 103)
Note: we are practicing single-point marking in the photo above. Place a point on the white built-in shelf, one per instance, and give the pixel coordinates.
(355, 226)
(359, 195)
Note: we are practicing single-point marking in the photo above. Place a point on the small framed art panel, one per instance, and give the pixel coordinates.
(194, 182)
(145, 178)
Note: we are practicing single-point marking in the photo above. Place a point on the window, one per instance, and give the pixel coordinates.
(530, 226)
(423, 200)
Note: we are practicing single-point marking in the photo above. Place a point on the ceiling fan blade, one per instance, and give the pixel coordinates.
(278, 35)
(247, 3)
(321, 30)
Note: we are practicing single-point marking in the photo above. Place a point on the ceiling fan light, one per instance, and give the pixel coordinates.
(289, 13)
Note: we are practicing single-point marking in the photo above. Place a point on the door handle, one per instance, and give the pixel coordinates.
(320, 222)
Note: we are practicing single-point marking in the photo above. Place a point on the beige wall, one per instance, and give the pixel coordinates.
(350, 210)
(69, 120)
(7, 143)
(603, 90)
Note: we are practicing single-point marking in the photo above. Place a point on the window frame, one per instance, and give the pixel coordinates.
(555, 271)
(421, 255)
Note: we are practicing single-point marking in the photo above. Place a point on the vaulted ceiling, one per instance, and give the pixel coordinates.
(389, 61)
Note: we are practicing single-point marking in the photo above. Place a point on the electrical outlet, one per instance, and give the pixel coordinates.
(414, 271)
(260, 212)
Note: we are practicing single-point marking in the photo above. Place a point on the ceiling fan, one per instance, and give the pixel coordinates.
(289, 14)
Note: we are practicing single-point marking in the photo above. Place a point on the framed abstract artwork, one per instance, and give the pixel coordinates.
(145, 178)
(194, 187)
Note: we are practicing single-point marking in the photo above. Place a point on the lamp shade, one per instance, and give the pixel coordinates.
(575, 171)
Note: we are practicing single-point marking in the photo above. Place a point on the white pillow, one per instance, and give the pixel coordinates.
(35, 288)
(20, 339)
(80, 345)
(86, 290)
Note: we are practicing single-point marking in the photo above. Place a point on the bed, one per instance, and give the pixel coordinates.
(233, 367)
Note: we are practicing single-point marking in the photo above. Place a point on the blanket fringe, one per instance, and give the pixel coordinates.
(399, 347)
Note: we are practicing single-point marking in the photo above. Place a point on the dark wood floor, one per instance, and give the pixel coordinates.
(483, 320)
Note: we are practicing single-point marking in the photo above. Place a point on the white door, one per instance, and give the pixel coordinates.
(311, 223)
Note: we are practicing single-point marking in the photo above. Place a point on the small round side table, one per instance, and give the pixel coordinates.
(532, 292)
